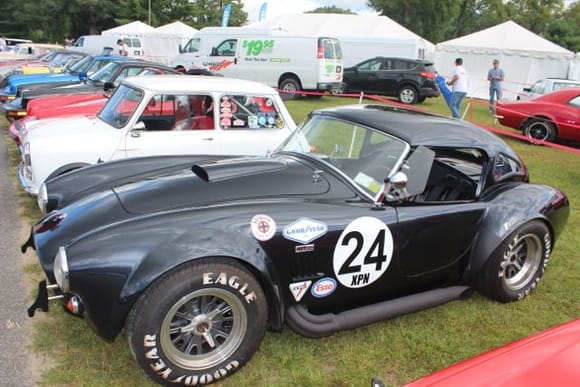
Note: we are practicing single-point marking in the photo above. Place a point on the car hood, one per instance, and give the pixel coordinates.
(222, 181)
(63, 88)
(67, 127)
(547, 358)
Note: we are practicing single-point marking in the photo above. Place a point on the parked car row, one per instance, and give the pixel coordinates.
(194, 214)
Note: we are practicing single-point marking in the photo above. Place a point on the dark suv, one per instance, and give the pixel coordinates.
(410, 80)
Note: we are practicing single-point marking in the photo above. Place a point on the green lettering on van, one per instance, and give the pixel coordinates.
(257, 46)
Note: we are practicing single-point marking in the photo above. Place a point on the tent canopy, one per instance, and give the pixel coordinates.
(133, 28)
(524, 56)
(177, 28)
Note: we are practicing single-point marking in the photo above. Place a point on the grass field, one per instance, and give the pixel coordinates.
(396, 351)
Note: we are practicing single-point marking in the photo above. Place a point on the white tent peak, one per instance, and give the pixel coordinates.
(133, 28)
(177, 28)
(507, 36)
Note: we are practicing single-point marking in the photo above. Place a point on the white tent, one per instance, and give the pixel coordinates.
(382, 35)
(178, 28)
(524, 56)
(574, 70)
(133, 28)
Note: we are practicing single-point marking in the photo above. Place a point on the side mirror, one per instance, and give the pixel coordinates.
(395, 187)
(83, 75)
(527, 89)
(108, 86)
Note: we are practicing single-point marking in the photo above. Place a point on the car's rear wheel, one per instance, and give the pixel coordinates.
(517, 265)
(289, 88)
(408, 94)
(198, 323)
(539, 129)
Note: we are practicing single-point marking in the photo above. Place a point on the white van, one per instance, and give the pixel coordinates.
(291, 63)
(98, 44)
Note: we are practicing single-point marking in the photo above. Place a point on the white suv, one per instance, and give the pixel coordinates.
(158, 115)
(545, 86)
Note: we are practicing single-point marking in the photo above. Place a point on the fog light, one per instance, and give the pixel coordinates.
(75, 306)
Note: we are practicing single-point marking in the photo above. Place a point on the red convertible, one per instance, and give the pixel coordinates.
(552, 116)
(548, 358)
(58, 106)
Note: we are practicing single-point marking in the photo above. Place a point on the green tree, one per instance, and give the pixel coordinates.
(565, 30)
(535, 15)
(332, 9)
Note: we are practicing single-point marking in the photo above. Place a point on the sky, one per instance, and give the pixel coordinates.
(280, 7)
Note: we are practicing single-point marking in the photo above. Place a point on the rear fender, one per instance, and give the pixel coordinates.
(506, 213)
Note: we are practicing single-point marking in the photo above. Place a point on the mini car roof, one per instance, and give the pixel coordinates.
(200, 83)
(420, 128)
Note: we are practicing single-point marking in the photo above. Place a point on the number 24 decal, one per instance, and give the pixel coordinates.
(363, 252)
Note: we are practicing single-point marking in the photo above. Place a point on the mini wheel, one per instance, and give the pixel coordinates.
(198, 323)
(517, 265)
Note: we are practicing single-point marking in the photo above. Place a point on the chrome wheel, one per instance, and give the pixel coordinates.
(521, 261)
(203, 329)
(540, 130)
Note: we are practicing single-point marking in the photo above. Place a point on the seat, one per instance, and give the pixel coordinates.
(202, 123)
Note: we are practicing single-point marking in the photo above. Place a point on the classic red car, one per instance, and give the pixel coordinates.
(548, 358)
(58, 106)
(552, 116)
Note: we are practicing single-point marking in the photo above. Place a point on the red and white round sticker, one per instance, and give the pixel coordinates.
(363, 252)
(263, 227)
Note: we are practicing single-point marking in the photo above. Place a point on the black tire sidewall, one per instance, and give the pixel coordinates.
(147, 315)
(551, 130)
(413, 89)
(493, 286)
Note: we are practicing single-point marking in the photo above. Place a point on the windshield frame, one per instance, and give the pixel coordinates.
(326, 159)
(104, 75)
(109, 112)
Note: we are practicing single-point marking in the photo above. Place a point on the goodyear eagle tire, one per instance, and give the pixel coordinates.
(517, 265)
(198, 323)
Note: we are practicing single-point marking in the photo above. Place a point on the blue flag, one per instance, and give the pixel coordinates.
(226, 15)
(262, 14)
(445, 91)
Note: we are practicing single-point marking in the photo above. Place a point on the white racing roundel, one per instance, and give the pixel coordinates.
(363, 252)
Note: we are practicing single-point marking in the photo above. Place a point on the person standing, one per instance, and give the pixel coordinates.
(495, 77)
(122, 48)
(460, 83)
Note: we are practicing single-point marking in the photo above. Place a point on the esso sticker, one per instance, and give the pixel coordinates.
(323, 287)
(363, 252)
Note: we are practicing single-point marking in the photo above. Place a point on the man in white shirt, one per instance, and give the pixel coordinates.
(460, 83)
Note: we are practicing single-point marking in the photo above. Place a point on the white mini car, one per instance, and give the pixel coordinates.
(158, 115)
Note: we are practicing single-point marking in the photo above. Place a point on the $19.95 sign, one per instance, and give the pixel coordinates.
(258, 46)
(363, 252)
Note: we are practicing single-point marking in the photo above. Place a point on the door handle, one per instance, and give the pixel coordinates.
(207, 139)
(235, 60)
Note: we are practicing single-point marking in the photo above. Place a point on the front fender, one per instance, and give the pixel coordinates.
(133, 259)
(509, 208)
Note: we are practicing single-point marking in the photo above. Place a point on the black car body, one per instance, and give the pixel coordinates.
(410, 80)
(107, 78)
(364, 213)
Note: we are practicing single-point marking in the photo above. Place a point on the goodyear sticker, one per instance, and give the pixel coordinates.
(263, 227)
(304, 230)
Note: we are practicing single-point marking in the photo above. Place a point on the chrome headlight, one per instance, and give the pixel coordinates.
(60, 269)
(42, 198)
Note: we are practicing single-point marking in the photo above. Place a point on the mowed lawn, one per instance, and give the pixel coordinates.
(396, 351)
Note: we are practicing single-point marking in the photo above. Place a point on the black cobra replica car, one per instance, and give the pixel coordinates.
(364, 213)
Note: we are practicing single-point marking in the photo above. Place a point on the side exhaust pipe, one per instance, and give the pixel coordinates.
(310, 325)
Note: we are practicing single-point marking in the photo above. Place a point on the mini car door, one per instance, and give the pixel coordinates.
(174, 124)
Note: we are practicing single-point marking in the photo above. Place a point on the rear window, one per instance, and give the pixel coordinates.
(563, 85)
(331, 48)
(430, 68)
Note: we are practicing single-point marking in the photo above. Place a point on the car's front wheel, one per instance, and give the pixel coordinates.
(517, 265)
(539, 129)
(198, 323)
(408, 95)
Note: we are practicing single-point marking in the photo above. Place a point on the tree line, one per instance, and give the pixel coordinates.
(435, 20)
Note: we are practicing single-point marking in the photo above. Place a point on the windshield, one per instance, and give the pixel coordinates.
(81, 65)
(106, 73)
(364, 155)
(121, 106)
